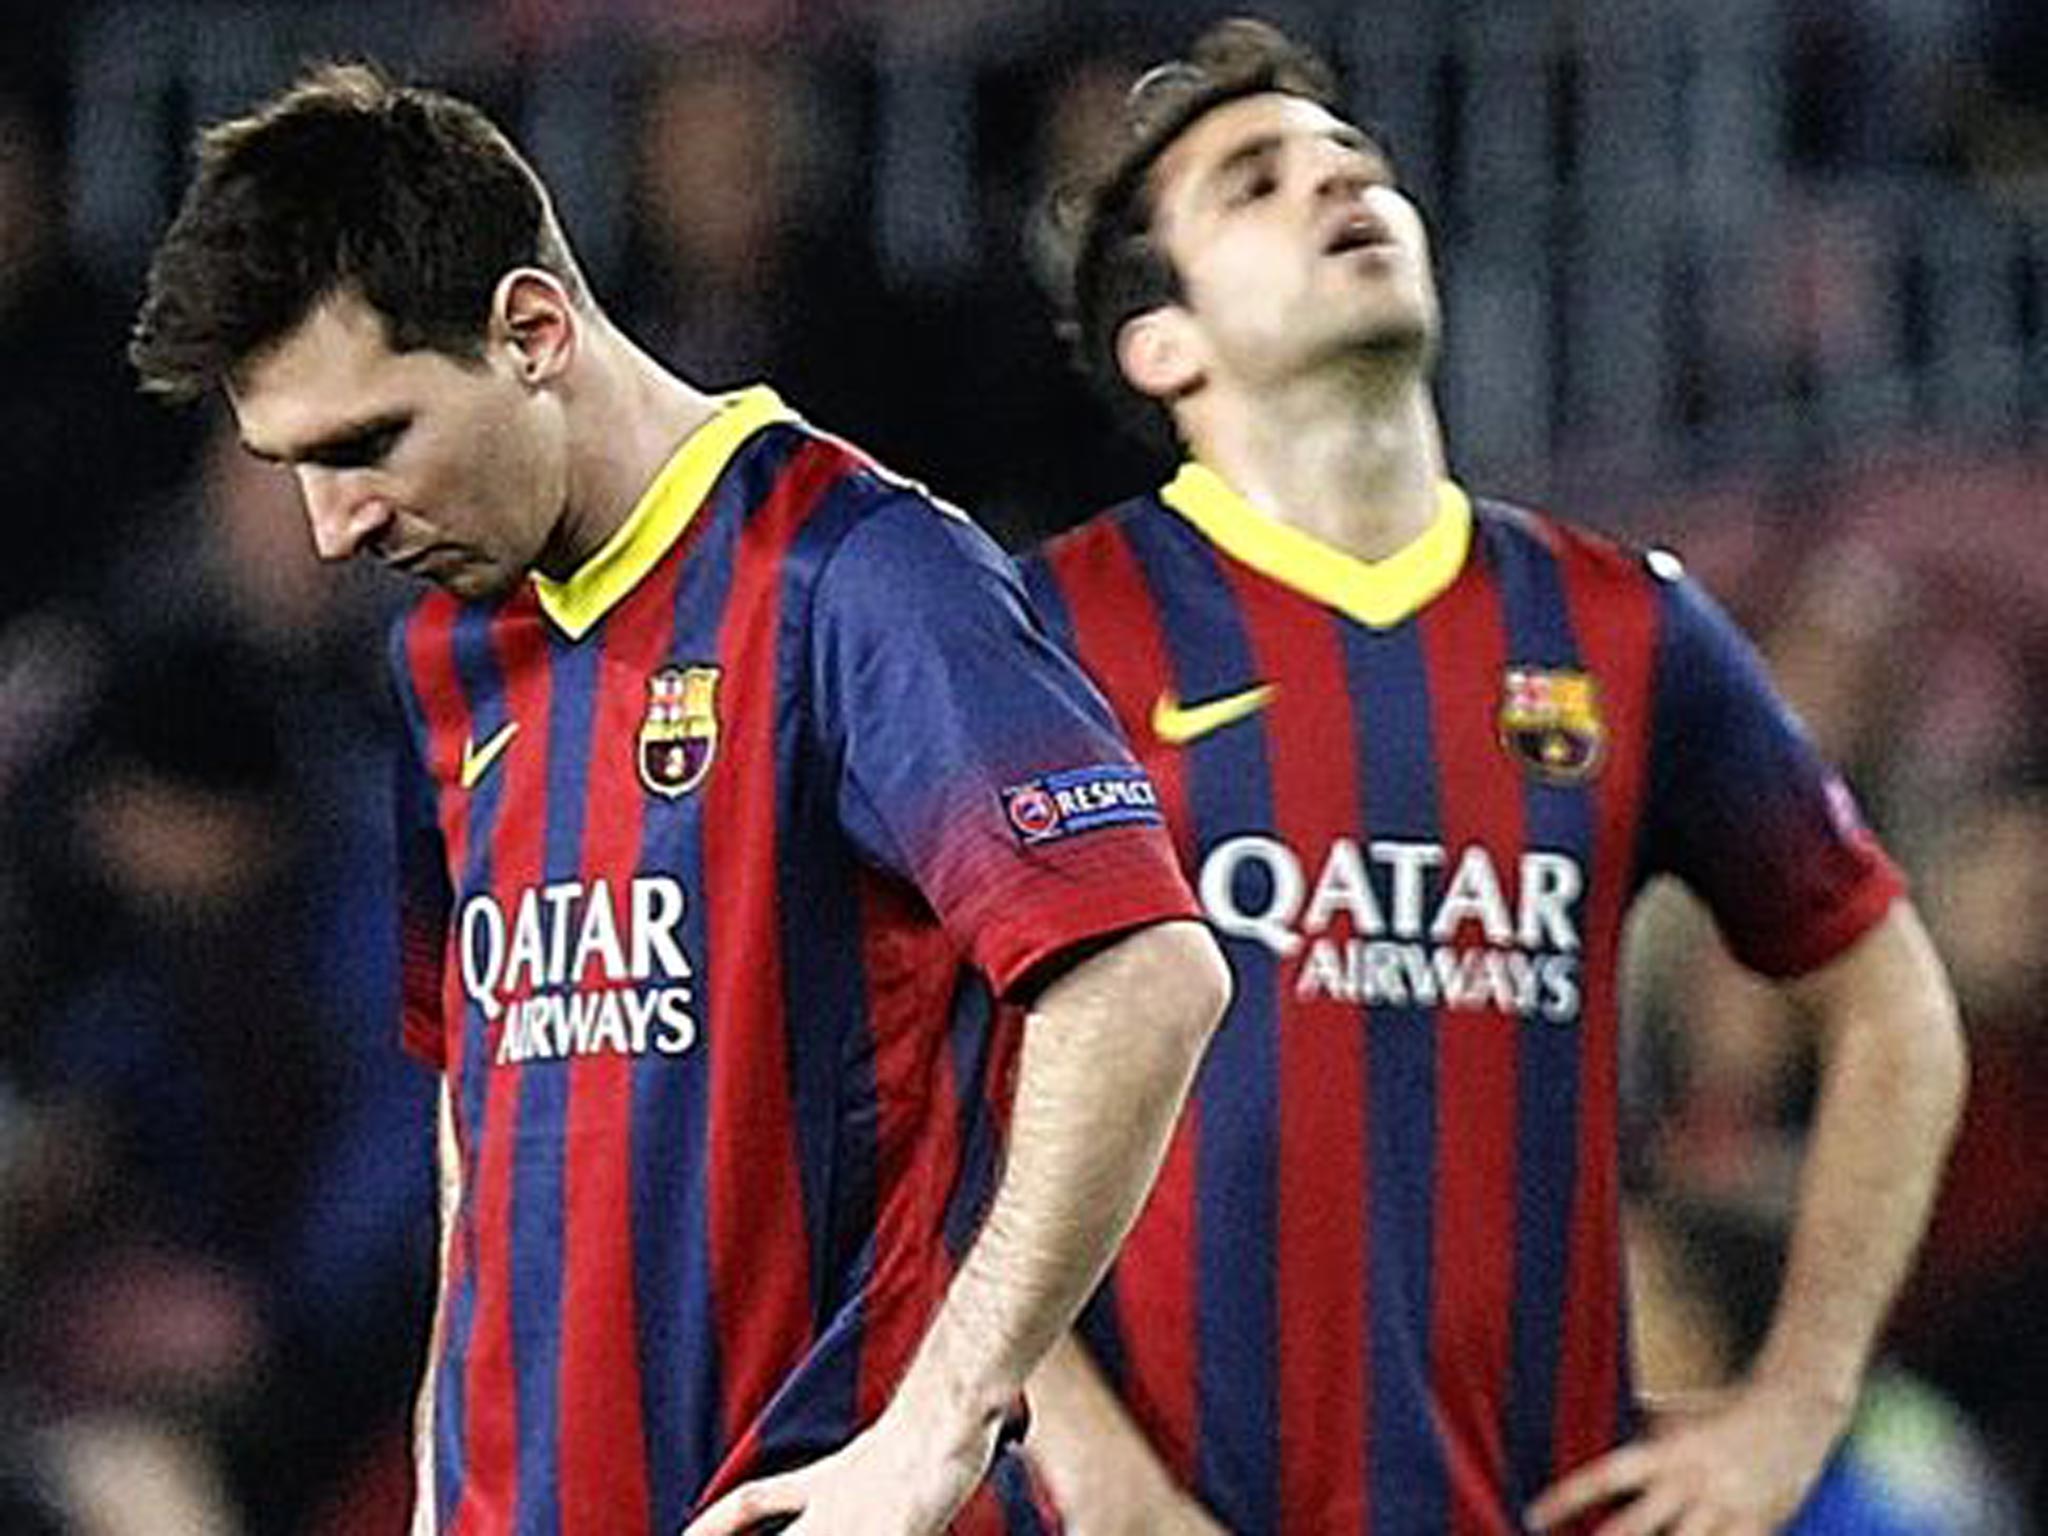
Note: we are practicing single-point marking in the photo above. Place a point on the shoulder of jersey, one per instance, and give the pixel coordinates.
(1601, 552)
(882, 485)
(1085, 541)
(1663, 564)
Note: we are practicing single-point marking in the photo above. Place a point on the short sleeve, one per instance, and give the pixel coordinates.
(971, 756)
(1743, 809)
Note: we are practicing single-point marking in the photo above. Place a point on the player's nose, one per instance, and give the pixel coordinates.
(1340, 178)
(344, 514)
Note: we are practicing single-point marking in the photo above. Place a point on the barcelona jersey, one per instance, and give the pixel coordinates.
(725, 855)
(1378, 1287)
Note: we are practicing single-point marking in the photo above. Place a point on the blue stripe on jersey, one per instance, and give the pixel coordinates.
(1010, 1482)
(1103, 1332)
(824, 972)
(1559, 819)
(1049, 603)
(1237, 1379)
(476, 670)
(824, 969)
(670, 1207)
(537, 1197)
(1409, 1488)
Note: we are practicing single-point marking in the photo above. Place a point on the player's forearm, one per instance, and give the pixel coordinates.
(1083, 1443)
(1108, 1054)
(1892, 1086)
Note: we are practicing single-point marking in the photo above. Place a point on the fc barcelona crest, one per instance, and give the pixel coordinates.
(1550, 721)
(679, 737)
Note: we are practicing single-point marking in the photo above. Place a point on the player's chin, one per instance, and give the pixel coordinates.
(1407, 340)
(475, 582)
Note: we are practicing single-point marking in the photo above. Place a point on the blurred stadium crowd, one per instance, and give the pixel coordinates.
(1763, 280)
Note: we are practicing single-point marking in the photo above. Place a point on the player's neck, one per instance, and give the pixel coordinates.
(626, 416)
(1361, 476)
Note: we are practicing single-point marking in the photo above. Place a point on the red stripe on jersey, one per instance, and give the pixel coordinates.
(1465, 642)
(911, 969)
(1323, 1340)
(1122, 646)
(1124, 652)
(430, 662)
(1614, 611)
(759, 1248)
(982, 1515)
(599, 1428)
(917, 1143)
(491, 1453)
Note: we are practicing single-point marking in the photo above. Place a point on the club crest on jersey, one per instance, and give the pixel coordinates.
(679, 736)
(1550, 721)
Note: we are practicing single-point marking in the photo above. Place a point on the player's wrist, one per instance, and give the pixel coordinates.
(1808, 1396)
(958, 1408)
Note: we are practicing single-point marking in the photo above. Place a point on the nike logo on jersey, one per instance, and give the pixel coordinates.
(1177, 724)
(477, 760)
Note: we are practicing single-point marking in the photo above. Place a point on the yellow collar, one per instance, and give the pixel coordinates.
(1379, 593)
(661, 515)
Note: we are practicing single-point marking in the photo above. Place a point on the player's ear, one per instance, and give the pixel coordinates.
(1160, 352)
(533, 315)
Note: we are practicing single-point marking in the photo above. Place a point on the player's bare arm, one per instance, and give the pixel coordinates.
(1893, 1074)
(447, 1205)
(1104, 1476)
(1109, 1051)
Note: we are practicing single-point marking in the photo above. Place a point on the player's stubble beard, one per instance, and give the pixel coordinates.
(1388, 359)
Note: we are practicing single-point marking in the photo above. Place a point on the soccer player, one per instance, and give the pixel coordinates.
(1420, 751)
(744, 789)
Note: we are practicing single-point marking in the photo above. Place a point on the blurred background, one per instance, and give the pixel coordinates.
(1762, 280)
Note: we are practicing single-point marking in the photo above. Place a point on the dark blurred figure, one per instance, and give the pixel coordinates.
(84, 457)
(27, 1507)
(233, 1229)
(747, 254)
(2002, 107)
(750, 254)
(721, 200)
(83, 450)
(174, 1054)
(1847, 108)
(1011, 427)
(238, 1234)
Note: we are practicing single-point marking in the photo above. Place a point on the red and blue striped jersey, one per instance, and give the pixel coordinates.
(728, 855)
(1378, 1287)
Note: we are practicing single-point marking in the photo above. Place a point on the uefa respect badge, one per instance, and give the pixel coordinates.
(1076, 800)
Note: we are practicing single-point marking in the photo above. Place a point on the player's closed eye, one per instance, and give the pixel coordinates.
(365, 450)
(1250, 187)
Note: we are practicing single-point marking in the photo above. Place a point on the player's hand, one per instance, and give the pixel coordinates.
(1737, 1465)
(892, 1479)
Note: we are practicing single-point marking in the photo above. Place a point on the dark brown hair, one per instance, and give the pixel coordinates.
(1105, 267)
(344, 182)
